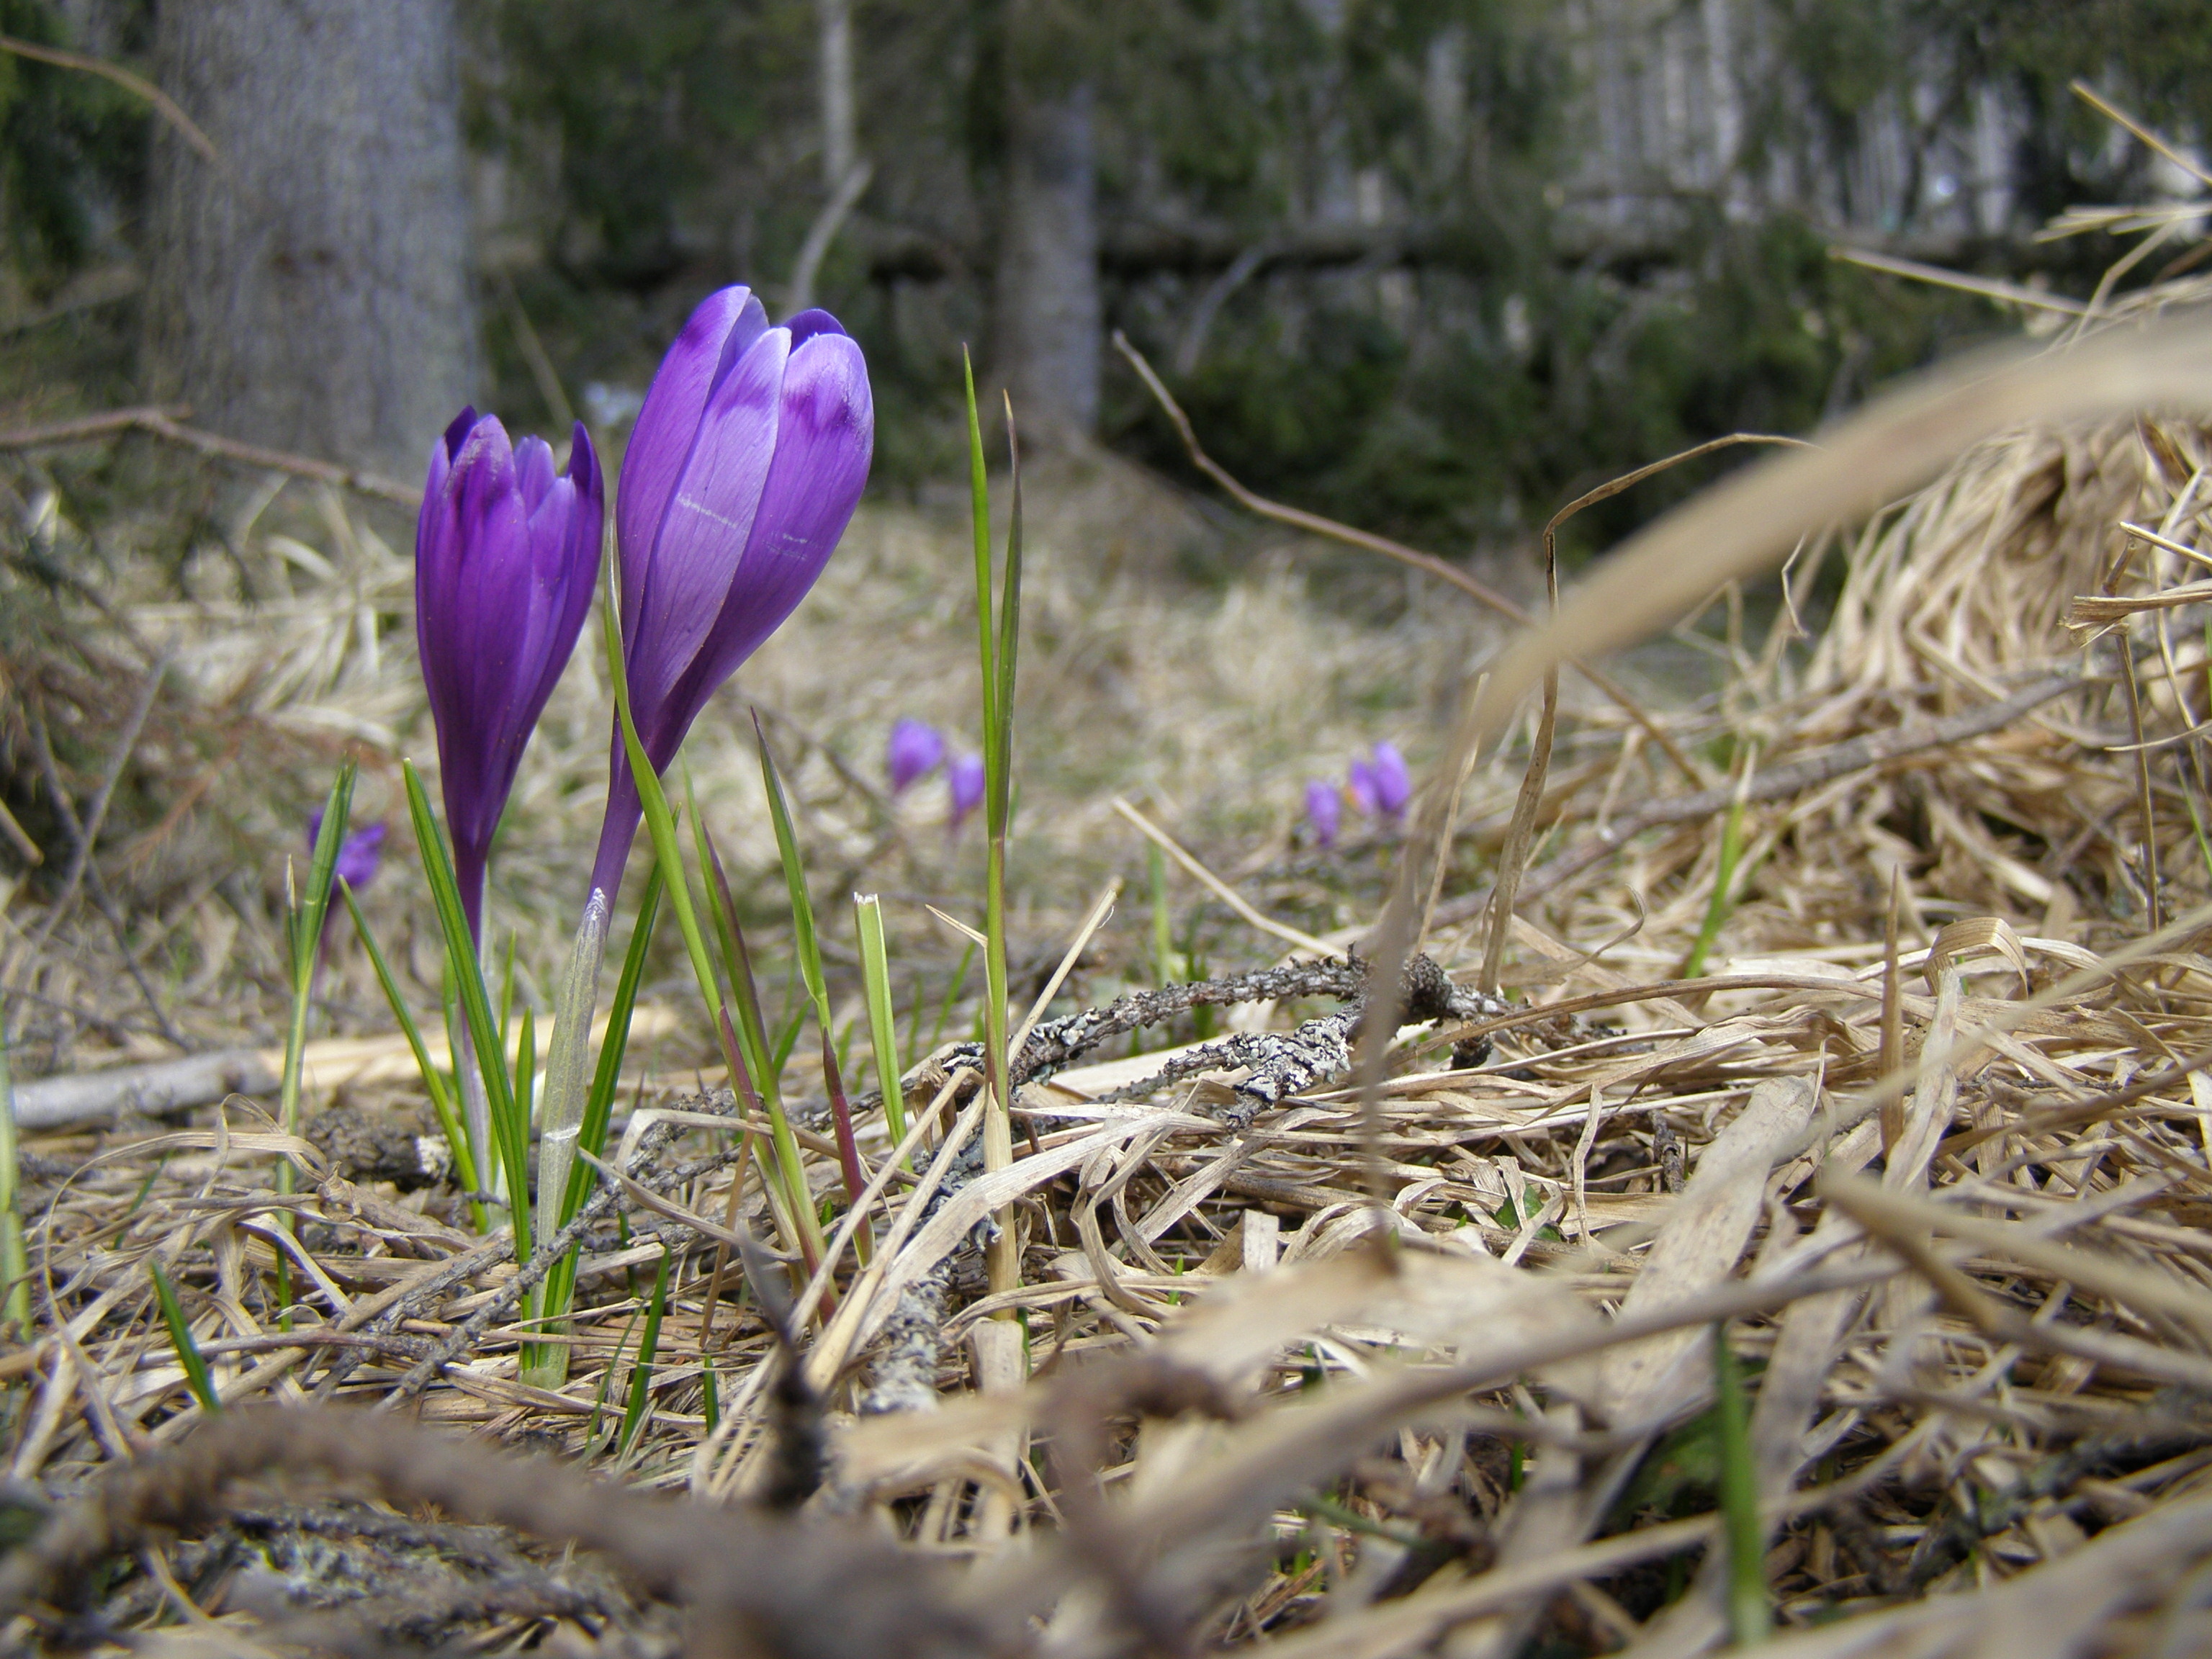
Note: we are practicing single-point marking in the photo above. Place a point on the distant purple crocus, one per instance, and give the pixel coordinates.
(915, 751)
(359, 854)
(1324, 811)
(1365, 798)
(743, 470)
(965, 775)
(506, 555)
(1393, 785)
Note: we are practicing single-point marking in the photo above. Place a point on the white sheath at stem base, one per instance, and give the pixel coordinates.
(561, 1109)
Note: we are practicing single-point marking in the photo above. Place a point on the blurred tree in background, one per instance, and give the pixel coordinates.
(1427, 264)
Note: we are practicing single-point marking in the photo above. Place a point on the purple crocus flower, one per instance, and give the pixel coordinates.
(913, 752)
(1394, 784)
(1366, 798)
(359, 854)
(965, 775)
(742, 471)
(1324, 811)
(506, 557)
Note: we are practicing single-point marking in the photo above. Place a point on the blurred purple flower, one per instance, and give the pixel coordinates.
(1393, 785)
(913, 752)
(965, 775)
(1365, 797)
(742, 472)
(359, 854)
(1324, 811)
(506, 557)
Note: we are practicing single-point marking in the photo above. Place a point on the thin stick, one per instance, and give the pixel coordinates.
(1892, 1014)
(165, 424)
(166, 106)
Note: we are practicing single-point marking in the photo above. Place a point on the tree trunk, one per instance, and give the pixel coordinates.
(311, 290)
(1050, 321)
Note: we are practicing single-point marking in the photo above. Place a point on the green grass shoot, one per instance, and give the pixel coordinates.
(882, 1028)
(180, 1337)
(1750, 1617)
(641, 1371)
(510, 1133)
(434, 1081)
(15, 1262)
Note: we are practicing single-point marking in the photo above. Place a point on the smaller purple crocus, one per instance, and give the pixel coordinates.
(1394, 784)
(359, 854)
(916, 748)
(965, 775)
(1324, 811)
(506, 555)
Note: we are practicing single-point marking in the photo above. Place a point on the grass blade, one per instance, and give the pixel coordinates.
(599, 1104)
(641, 1371)
(882, 1028)
(804, 943)
(434, 1084)
(14, 1262)
(180, 1338)
(467, 975)
(304, 922)
(661, 824)
(1750, 1619)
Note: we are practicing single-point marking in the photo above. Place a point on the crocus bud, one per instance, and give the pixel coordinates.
(359, 854)
(1324, 811)
(1393, 785)
(1360, 786)
(913, 752)
(965, 775)
(506, 557)
(743, 470)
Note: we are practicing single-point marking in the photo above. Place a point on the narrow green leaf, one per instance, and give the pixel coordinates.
(980, 492)
(181, 1338)
(713, 1394)
(1750, 1617)
(433, 1082)
(304, 924)
(883, 1027)
(751, 1031)
(467, 974)
(525, 1073)
(1001, 708)
(662, 825)
(804, 942)
(15, 1262)
(641, 1374)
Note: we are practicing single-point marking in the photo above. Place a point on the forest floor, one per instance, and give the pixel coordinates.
(1791, 1213)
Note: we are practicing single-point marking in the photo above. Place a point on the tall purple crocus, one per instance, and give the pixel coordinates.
(912, 753)
(743, 470)
(965, 775)
(506, 557)
(1324, 811)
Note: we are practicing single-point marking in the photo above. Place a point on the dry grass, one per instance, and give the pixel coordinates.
(1950, 1215)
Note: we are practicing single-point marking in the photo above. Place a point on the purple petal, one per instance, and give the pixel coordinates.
(966, 777)
(825, 436)
(1394, 784)
(719, 333)
(506, 556)
(692, 575)
(913, 752)
(1324, 811)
